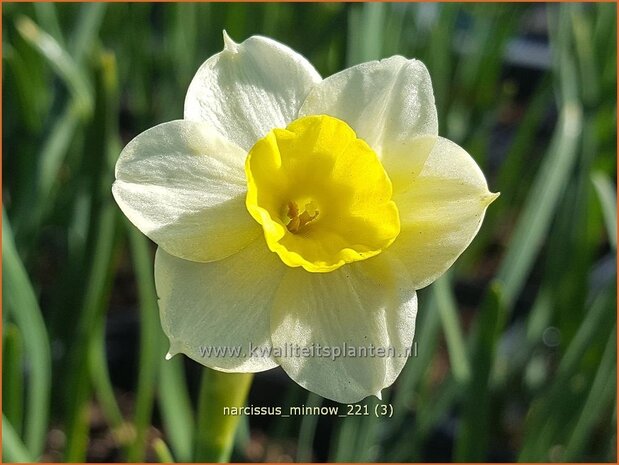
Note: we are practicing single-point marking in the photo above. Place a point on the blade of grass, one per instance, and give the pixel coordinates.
(405, 396)
(396, 18)
(598, 316)
(163, 452)
(61, 133)
(542, 201)
(54, 149)
(151, 340)
(101, 246)
(122, 432)
(458, 353)
(427, 335)
(368, 433)
(517, 164)
(589, 71)
(60, 61)
(176, 410)
(343, 448)
(434, 403)
(523, 143)
(242, 438)
(478, 71)
(611, 451)
(183, 41)
(548, 414)
(606, 51)
(32, 103)
(94, 305)
(48, 18)
(237, 19)
(608, 199)
(86, 29)
(577, 227)
(307, 431)
(103, 386)
(538, 212)
(23, 308)
(439, 57)
(359, 438)
(33, 80)
(366, 32)
(273, 15)
(508, 369)
(473, 433)
(134, 436)
(600, 397)
(13, 450)
(439, 402)
(13, 376)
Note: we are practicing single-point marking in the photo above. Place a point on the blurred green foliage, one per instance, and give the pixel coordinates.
(517, 343)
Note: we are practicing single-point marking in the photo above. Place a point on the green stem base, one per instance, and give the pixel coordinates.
(215, 431)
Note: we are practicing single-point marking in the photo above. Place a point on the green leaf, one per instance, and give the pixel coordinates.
(552, 410)
(176, 411)
(13, 450)
(13, 376)
(472, 441)
(608, 200)
(163, 452)
(215, 430)
(23, 308)
(47, 16)
(151, 342)
(366, 32)
(60, 61)
(88, 24)
(458, 352)
(536, 217)
(599, 398)
(307, 431)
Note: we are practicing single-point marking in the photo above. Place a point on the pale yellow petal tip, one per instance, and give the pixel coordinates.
(490, 197)
(229, 44)
(172, 352)
(175, 348)
(379, 394)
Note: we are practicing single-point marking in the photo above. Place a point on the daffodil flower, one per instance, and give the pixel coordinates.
(291, 210)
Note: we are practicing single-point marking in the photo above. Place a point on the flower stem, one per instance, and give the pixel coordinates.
(215, 431)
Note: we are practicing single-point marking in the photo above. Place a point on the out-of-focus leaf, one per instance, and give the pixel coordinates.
(538, 212)
(366, 31)
(458, 352)
(60, 61)
(607, 194)
(13, 375)
(176, 410)
(472, 441)
(13, 450)
(600, 397)
(21, 302)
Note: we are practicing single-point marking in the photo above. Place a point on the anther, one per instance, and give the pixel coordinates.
(298, 220)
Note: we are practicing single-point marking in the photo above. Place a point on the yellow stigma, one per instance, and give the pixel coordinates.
(320, 194)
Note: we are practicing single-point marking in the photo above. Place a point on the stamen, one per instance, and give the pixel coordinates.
(298, 220)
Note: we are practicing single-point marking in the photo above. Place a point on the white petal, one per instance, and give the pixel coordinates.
(223, 305)
(388, 103)
(440, 212)
(364, 304)
(250, 88)
(406, 161)
(184, 186)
